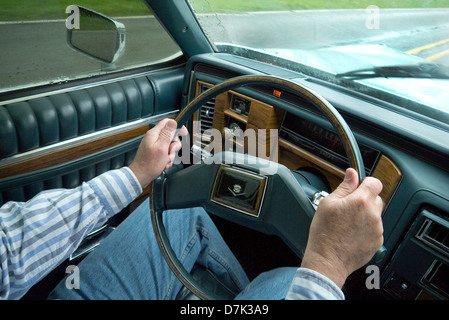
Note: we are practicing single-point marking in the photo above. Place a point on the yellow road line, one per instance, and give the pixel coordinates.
(427, 47)
(438, 55)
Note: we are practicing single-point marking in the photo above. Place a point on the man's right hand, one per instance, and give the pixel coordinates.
(346, 230)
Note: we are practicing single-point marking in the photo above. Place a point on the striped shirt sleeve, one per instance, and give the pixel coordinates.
(308, 284)
(37, 235)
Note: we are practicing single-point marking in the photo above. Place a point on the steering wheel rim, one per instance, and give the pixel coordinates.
(156, 205)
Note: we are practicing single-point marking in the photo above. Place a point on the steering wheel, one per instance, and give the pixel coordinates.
(235, 186)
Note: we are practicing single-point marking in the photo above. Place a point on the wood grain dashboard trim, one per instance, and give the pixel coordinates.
(295, 158)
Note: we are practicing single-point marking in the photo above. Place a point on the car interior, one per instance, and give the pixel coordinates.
(248, 111)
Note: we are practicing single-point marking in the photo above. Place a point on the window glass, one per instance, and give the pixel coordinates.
(395, 50)
(34, 49)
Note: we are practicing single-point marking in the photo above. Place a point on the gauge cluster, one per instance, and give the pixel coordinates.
(323, 142)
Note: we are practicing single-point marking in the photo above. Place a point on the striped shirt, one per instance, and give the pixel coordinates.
(311, 285)
(37, 235)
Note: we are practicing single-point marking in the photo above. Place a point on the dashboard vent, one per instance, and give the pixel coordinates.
(436, 278)
(435, 235)
(206, 112)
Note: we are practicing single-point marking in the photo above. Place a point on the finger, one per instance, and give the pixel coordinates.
(380, 204)
(182, 132)
(171, 159)
(175, 146)
(156, 130)
(349, 184)
(371, 186)
(164, 131)
(168, 165)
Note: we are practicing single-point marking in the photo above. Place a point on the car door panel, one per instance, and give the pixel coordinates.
(62, 139)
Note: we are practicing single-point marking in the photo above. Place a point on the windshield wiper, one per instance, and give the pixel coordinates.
(423, 70)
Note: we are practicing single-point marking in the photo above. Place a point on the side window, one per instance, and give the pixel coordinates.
(34, 49)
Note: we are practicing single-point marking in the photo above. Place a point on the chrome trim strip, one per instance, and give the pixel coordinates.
(85, 138)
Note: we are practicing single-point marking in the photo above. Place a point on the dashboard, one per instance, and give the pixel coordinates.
(396, 149)
(306, 143)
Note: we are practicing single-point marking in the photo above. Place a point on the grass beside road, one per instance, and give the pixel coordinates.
(23, 10)
(255, 5)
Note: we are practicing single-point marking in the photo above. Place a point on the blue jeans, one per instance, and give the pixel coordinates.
(128, 264)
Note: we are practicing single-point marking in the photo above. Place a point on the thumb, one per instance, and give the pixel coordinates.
(166, 131)
(349, 184)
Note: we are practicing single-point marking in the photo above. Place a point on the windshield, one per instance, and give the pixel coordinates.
(395, 50)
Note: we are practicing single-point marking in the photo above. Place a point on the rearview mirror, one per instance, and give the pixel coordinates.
(95, 34)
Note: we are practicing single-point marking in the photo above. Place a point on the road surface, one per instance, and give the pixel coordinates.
(402, 29)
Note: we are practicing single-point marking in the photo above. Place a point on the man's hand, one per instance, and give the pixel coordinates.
(157, 151)
(346, 230)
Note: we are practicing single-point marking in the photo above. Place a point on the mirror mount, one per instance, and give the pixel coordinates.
(95, 34)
